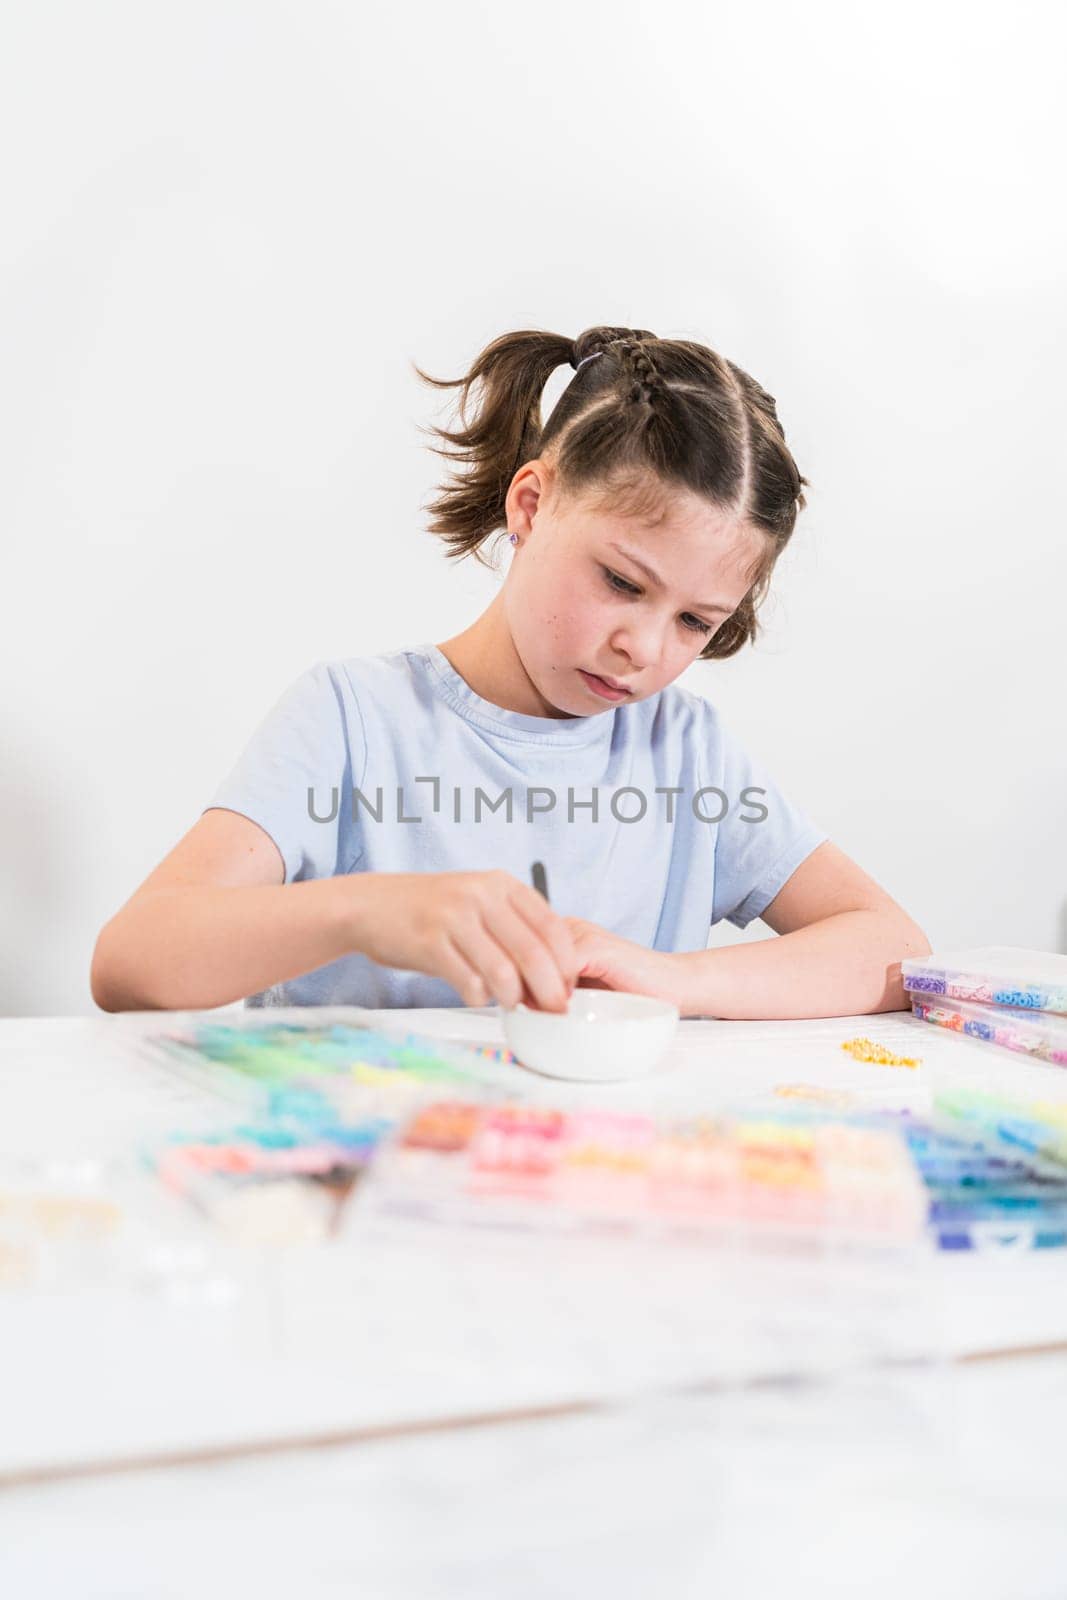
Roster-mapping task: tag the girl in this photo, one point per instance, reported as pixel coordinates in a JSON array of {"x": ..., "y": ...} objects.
[{"x": 372, "y": 846}]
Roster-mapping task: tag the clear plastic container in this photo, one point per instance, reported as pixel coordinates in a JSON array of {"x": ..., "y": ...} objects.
[
  {"x": 796, "y": 1177},
  {"x": 1035, "y": 1033},
  {"x": 998, "y": 975}
]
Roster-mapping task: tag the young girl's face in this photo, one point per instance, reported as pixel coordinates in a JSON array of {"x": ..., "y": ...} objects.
[{"x": 581, "y": 606}]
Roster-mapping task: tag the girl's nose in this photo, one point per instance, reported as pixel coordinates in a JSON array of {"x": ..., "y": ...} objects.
[{"x": 641, "y": 643}]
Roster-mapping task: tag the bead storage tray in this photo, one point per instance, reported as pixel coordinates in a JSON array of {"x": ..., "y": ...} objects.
[
  {"x": 1035, "y": 1033},
  {"x": 998, "y": 975}
]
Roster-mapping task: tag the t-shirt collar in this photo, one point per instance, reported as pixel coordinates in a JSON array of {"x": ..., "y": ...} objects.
[{"x": 558, "y": 732}]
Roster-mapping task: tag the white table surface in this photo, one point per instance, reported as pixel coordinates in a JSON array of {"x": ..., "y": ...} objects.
[{"x": 941, "y": 1478}]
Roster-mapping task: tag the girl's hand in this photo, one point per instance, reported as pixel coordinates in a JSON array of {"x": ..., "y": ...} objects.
[
  {"x": 606, "y": 961},
  {"x": 489, "y": 935}
]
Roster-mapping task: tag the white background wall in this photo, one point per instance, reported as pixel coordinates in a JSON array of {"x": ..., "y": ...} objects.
[{"x": 226, "y": 231}]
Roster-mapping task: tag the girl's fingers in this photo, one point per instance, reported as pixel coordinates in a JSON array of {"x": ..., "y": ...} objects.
[
  {"x": 534, "y": 957},
  {"x": 552, "y": 929},
  {"x": 491, "y": 961},
  {"x": 464, "y": 978},
  {"x": 508, "y": 944}
]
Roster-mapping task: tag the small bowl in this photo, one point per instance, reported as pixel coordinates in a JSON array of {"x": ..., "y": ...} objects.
[{"x": 604, "y": 1036}]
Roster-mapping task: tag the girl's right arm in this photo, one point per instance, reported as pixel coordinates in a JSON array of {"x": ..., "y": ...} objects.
[{"x": 216, "y": 922}]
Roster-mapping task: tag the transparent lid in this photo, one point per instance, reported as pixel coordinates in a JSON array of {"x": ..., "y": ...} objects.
[{"x": 999, "y": 975}]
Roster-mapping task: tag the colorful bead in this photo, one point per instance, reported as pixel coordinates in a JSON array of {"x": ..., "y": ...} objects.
[{"x": 866, "y": 1050}]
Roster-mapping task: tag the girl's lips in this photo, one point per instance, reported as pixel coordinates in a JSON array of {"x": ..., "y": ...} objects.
[{"x": 604, "y": 690}]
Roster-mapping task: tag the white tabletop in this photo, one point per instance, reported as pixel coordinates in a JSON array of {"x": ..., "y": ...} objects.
[{"x": 494, "y": 1421}]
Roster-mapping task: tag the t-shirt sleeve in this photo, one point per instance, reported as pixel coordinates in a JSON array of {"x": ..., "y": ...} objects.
[
  {"x": 762, "y": 838},
  {"x": 294, "y": 776}
]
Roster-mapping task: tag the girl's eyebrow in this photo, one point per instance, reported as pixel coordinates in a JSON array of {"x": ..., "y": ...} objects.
[{"x": 654, "y": 579}]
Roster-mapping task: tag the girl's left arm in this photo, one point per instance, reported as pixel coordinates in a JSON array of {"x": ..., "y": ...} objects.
[{"x": 840, "y": 945}]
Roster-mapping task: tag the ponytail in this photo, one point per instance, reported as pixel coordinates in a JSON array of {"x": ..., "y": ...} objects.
[{"x": 649, "y": 416}]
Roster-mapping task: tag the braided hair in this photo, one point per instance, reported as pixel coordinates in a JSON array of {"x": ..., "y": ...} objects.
[{"x": 646, "y": 417}]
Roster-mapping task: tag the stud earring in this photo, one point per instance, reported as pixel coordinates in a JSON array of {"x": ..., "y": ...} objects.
[{"x": 513, "y": 537}]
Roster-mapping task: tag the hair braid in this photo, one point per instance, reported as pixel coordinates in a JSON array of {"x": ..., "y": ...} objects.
[{"x": 654, "y": 416}]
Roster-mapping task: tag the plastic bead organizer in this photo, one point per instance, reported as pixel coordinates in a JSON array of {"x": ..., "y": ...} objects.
[
  {"x": 1035, "y": 1033},
  {"x": 998, "y": 975}
]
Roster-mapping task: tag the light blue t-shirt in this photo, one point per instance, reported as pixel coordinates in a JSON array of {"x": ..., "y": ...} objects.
[{"x": 650, "y": 819}]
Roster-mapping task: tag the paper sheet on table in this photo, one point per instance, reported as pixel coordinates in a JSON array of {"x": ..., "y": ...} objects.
[{"x": 395, "y": 1329}]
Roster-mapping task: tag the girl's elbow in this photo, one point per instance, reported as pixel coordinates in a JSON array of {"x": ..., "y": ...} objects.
[
  {"x": 914, "y": 942},
  {"x": 908, "y": 942},
  {"x": 900, "y": 934},
  {"x": 105, "y": 977},
  {"x": 100, "y": 984}
]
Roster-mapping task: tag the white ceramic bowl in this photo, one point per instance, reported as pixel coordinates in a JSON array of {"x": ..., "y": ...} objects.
[{"x": 604, "y": 1036}]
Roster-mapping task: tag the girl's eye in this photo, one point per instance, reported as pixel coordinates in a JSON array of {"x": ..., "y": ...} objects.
[
  {"x": 618, "y": 583},
  {"x": 620, "y": 586}
]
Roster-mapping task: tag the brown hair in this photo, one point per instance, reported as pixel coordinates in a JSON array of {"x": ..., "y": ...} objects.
[{"x": 648, "y": 415}]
